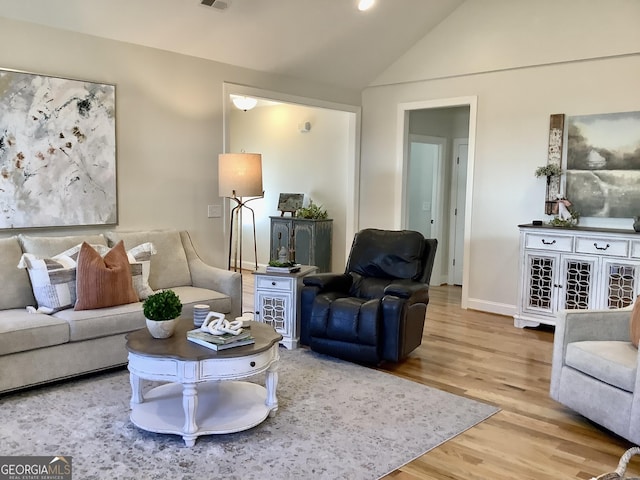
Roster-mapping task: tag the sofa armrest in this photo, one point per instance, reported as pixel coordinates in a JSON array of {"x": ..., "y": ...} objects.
[
  {"x": 213, "y": 278},
  {"x": 583, "y": 325}
]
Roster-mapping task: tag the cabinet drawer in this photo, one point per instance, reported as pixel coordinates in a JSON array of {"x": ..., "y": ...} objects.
[
  {"x": 600, "y": 246},
  {"x": 552, "y": 242},
  {"x": 635, "y": 249},
  {"x": 274, "y": 283}
]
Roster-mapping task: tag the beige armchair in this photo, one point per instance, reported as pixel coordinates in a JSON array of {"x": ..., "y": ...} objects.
[{"x": 595, "y": 369}]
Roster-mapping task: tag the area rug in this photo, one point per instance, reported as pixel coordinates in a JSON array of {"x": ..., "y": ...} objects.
[{"x": 336, "y": 420}]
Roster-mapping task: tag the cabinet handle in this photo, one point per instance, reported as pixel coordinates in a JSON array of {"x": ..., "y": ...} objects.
[
  {"x": 253, "y": 364},
  {"x": 601, "y": 248},
  {"x": 273, "y": 284},
  {"x": 548, "y": 243}
]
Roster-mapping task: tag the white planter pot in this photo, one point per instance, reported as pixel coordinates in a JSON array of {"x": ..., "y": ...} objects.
[{"x": 161, "y": 329}]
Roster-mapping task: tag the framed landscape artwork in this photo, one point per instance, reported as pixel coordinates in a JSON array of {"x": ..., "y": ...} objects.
[
  {"x": 603, "y": 164},
  {"x": 57, "y": 152}
]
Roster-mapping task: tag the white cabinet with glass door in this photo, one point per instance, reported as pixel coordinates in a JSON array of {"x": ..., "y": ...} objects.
[{"x": 574, "y": 269}]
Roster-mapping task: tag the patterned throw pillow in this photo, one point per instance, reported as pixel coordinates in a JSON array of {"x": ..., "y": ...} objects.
[
  {"x": 53, "y": 280},
  {"x": 140, "y": 260},
  {"x": 103, "y": 280}
]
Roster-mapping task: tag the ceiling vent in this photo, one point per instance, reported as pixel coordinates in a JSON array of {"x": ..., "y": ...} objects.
[{"x": 217, "y": 4}]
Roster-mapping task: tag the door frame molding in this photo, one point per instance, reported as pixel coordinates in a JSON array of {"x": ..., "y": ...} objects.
[{"x": 402, "y": 139}]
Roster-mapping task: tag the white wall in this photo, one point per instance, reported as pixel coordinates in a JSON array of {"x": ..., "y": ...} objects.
[
  {"x": 513, "y": 111},
  {"x": 313, "y": 163},
  {"x": 169, "y": 122}
]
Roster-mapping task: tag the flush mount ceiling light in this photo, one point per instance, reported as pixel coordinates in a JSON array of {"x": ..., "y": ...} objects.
[
  {"x": 365, "y": 5},
  {"x": 244, "y": 103}
]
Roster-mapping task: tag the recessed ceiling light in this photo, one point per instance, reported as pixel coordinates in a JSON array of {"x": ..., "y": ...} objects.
[{"x": 365, "y": 4}]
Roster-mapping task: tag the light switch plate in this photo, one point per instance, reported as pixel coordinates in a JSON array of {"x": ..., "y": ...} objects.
[{"x": 214, "y": 211}]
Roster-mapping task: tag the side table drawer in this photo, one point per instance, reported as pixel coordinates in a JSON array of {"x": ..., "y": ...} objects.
[
  {"x": 602, "y": 246},
  {"x": 274, "y": 283},
  {"x": 635, "y": 249},
  {"x": 552, "y": 242}
]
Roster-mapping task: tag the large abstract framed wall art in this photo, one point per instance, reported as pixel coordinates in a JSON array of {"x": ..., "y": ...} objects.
[
  {"x": 603, "y": 164},
  {"x": 57, "y": 152}
]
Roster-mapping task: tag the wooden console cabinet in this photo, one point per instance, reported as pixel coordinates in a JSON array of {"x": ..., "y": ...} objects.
[
  {"x": 575, "y": 268},
  {"x": 310, "y": 240}
]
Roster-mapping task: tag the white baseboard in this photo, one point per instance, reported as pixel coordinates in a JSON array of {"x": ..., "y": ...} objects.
[{"x": 492, "y": 307}]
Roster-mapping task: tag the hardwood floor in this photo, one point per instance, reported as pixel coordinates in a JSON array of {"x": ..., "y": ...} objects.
[{"x": 484, "y": 357}]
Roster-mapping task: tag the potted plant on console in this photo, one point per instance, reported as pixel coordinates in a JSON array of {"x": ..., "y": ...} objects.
[{"x": 161, "y": 311}]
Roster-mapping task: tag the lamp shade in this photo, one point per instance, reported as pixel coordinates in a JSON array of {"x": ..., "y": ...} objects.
[{"x": 240, "y": 175}]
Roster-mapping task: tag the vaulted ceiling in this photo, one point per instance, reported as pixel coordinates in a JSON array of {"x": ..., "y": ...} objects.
[{"x": 328, "y": 41}]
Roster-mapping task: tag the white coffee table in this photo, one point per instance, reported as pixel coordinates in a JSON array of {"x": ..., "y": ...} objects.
[{"x": 204, "y": 396}]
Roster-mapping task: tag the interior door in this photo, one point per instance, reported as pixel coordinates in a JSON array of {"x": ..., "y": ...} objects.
[
  {"x": 423, "y": 190},
  {"x": 458, "y": 199}
]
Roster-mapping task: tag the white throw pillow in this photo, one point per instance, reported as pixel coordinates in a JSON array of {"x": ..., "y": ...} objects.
[
  {"x": 140, "y": 260},
  {"x": 53, "y": 280}
]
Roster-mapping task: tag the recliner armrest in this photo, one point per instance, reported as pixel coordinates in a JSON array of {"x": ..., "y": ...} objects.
[
  {"x": 420, "y": 291},
  {"x": 329, "y": 282}
]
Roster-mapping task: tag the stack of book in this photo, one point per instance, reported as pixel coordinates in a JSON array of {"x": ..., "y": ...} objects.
[
  {"x": 220, "y": 342},
  {"x": 283, "y": 269}
]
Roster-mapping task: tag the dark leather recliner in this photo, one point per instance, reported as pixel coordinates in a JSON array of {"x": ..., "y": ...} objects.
[{"x": 375, "y": 311}]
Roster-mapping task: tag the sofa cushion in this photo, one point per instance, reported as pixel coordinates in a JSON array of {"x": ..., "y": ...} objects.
[
  {"x": 16, "y": 289},
  {"x": 169, "y": 267},
  {"x": 190, "y": 296},
  {"x": 103, "y": 281},
  {"x": 612, "y": 362},
  {"x": 21, "y": 331},
  {"x": 102, "y": 322},
  {"x": 44, "y": 246}
]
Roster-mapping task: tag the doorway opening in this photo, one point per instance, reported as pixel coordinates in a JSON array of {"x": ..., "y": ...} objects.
[
  {"x": 275, "y": 129},
  {"x": 436, "y": 143}
]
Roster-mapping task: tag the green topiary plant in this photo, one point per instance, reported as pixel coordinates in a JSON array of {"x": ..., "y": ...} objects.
[
  {"x": 313, "y": 211},
  {"x": 164, "y": 305}
]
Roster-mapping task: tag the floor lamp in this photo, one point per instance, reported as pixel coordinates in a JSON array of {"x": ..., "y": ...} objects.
[{"x": 240, "y": 175}]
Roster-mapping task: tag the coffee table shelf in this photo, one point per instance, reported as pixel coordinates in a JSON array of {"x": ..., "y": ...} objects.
[{"x": 223, "y": 407}]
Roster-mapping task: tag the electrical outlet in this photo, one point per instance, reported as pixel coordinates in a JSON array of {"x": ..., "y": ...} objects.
[{"x": 214, "y": 211}]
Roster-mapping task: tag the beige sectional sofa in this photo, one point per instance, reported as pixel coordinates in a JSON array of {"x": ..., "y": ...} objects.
[{"x": 36, "y": 348}]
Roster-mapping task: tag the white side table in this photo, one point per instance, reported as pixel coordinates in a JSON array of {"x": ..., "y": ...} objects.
[{"x": 277, "y": 301}]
